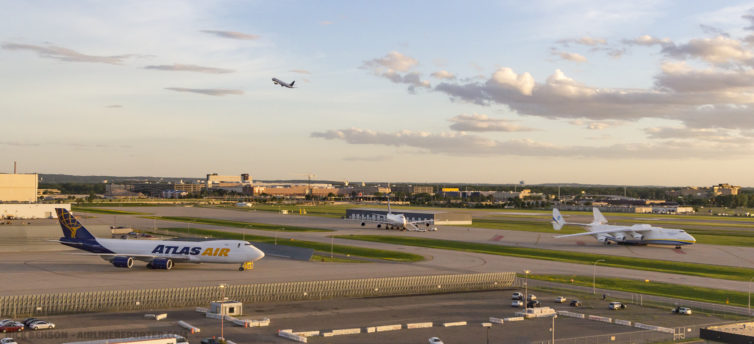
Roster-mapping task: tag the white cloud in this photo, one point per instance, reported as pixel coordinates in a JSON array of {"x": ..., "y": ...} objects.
[
  {"x": 680, "y": 77},
  {"x": 190, "y": 68},
  {"x": 232, "y": 34},
  {"x": 300, "y": 71},
  {"x": 719, "y": 50},
  {"x": 206, "y": 91},
  {"x": 508, "y": 79},
  {"x": 647, "y": 40},
  {"x": 65, "y": 54},
  {"x": 481, "y": 122},
  {"x": 462, "y": 144},
  {"x": 704, "y": 134},
  {"x": 393, "y": 60},
  {"x": 443, "y": 74},
  {"x": 586, "y": 40},
  {"x": 574, "y": 57}
]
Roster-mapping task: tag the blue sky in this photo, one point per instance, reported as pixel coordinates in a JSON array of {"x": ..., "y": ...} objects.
[{"x": 640, "y": 92}]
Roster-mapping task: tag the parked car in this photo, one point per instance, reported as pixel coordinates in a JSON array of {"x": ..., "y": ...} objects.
[
  {"x": 435, "y": 340},
  {"x": 28, "y": 321},
  {"x": 533, "y": 304},
  {"x": 517, "y": 303},
  {"x": 682, "y": 310},
  {"x": 213, "y": 341},
  {"x": 41, "y": 325},
  {"x": 531, "y": 297},
  {"x": 560, "y": 299},
  {"x": 11, "y": 327},
  {"x": 7, "y": 341},
  {"x": 517, "y": 296},
  {"x": 615, "y": 305},
  {"x": 575, "y": 303}
]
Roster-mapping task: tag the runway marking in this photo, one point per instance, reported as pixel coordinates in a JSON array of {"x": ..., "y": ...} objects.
[{"x": 496, "y": 238}]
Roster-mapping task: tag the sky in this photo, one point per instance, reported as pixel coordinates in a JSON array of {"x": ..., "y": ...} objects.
[{"x": 563, "y": 91}]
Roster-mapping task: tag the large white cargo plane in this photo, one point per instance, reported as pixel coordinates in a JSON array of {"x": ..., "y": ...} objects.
[
  {"x": 159, "y": 254},
  {"x": 639, "y": 234},
  {"x": 398, "y": 221}
]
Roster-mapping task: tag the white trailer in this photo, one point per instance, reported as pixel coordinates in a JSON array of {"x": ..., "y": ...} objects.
[{"x": 158, "y": 339}]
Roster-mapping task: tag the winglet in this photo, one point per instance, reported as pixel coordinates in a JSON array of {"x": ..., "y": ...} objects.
[
  {"x": 557, "y": 220},
  {"x": 293, "y": 82},
  {"x": 599, "y": 219}
]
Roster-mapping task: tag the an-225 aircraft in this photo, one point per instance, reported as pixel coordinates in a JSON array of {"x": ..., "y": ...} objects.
[
  {"x": 399, "y": 221},
  {"x": 277, "y": 81},
  {"x": 639, "y": 234},
  {"x": 159, "y": 254}
]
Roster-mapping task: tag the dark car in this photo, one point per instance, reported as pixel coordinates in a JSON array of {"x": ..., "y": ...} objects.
[
  {"x": 575, "y": 303},
  {"x": 28, "y": 321},
  {"x": 533, "y": 304},
  {"x": 213, "y": 341}
]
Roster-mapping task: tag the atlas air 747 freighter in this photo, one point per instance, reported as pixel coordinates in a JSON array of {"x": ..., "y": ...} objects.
[{"x": 159, "y": 254}]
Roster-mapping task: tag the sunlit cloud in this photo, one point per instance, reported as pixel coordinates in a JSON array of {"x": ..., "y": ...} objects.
[
  {"x": 65, "y": 54},
  {"x": 190, "y": 68},
  {"x": 206, "y": 91},
  {"x": 232, "y": 34}
]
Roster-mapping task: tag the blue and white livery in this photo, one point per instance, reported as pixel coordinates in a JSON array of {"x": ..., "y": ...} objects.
[
  {"x": 639, "y": 234},
  {"x": 158, "y": 254}
]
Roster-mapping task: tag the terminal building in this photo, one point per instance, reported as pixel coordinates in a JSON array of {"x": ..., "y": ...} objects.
[
  {"x": 434, "y": 217},
  {"x": 18, "y": 198}
]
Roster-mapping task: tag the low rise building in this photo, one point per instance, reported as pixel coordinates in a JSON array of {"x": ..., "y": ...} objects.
[{"x": 18, "y": 187}]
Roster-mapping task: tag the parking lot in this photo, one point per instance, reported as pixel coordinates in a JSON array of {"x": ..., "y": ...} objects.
[{"x": 326, "y": 315}]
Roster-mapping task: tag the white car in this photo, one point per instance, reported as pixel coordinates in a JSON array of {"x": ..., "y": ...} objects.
[
  {"x": 517, "y": 296},
  {"x": 435, "y": 340},
  {"x": 41, "y": 325},
  {"x": 682, "y": 310},
  {"x": 560, "y": 299},
  {"x": 7, "y": 341},
  {"x": 615, "y": 305},
  {"x": 517, "y": 303}
]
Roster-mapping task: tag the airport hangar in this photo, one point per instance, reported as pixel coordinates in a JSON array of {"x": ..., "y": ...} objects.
[{"x": 433, "y": 217}]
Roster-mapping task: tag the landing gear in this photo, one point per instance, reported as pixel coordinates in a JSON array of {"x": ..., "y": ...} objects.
[
  {"x": 678, "y": 247},
  {"x": 241, "y": 268},
  {"x": 246, "y": 266}
]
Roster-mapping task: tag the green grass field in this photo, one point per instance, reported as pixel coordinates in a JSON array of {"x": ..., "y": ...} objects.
[
  {"x": 238, "y": 224},
  {"x": 342, "y": 250},
  {"x": 654, "y": 288},
  {"x": 693, "y": 269},
  {"x": 105, "y": 211}
]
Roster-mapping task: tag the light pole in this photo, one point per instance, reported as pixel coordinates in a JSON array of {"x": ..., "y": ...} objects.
[
  {"x": 526, "y": 289},
  {"x": 222, "y": 312},
  {"x": 750, "y": 295},
  {"x": 594, "y": 276},
  {"x": 553, "y": 327}
]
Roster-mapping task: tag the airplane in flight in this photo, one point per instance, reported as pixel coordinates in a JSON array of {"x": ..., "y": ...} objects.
[
  {"x": 638, "y": 234},
  {"x": 399, "y": 221},
  {"x": 277, "y": 81},
  {"x": 159, "y": 254}
]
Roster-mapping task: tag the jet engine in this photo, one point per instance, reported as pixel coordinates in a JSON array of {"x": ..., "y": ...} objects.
[
  {"x": 123, "y": 262},
  {"x": 620, "y": 237},
  {"x": 637, "y": 236},
  {"x": 363, "y": 224},
  {"x": 604, "y": 238},
  {"x": 161, "y": 263}
]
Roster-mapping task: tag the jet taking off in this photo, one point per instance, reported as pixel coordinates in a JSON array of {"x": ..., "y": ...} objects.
[
  {"x": 277, "y": 81},
  {"x": 399, "y": 221},
  {"x": 159, "y": 254},
  {"x": 639, "y": 234}
]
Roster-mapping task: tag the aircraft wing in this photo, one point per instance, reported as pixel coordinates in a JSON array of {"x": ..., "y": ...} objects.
[
  {"x": 606, "y": 231},
  {"x": 141, "y": 257}
]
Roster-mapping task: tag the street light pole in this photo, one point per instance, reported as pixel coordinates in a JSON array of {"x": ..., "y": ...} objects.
[
  {"x": 594, "y": 276},
  {"x": 526, "y": 289},
  {"x": 553, "y": 327},
  {"x": 222, "y": 312},
  {"x": 750, "y": 295}
]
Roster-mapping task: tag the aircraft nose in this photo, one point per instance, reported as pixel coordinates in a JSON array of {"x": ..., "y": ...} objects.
[
  {"x": 691, "y": 238},
  {"x": 259, "y": 254}
]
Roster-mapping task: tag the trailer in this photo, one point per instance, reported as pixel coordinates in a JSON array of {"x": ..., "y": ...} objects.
[{"x": 158, "y": 339}]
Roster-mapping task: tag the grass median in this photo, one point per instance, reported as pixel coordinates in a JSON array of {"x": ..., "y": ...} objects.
[
  {"x": 105, "y": 211},
  {"x": 317, "y": 246},
  {"x": 720, "y": 296},
  {"x": 238, "y": 224},
  {"x": 693, "y": 269}
]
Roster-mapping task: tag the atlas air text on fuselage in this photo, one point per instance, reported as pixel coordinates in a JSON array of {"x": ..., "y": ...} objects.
[{"x": 188, "y": 250}]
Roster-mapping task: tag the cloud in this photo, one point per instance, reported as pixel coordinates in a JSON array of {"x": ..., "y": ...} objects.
[
  {"x": 368, "y": 158},
  {"x": 680, "y": 77},
  {"x": 65, "y": 54},
  {"x": 713, "y": 30},
  {"x": 481, "y": 122},
  {"x": 207, "y": 91},
  {"x": 443, "y": 74},
  {"x": 647, "y": 40},
  {"x": 391, "y": 64},
  {"x": 719, "y": 50},
  {"x": 574, "y": 57},
  {"x": 325, "y": 22},
  {"x": 750, "y": 18},
  {"x": 300, "y": 71},
  {"x": 393, "y": 60},
  {"x": 232, "y": 34},
  {"x": 586, "y": 40},
  {"x": 114, "y": 106},
  {"x": 461, "y": 144},
  {"x": 704, "y": 134},
  {"x": 190, "y": 68}
]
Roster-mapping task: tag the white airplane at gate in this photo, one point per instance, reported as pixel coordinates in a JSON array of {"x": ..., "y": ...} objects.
[
  {"x": 159, "y": 254},
  {"x": 639, "y": 234}
]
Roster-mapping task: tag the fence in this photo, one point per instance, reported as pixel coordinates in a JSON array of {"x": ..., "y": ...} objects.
[{"x": 147, "y": 299}]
